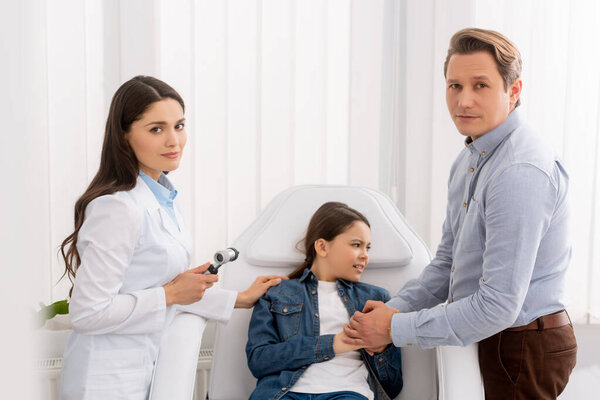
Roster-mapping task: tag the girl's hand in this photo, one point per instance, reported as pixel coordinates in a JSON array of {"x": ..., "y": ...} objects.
[
  {"x": 250, "y": 296},
  {"x": 189, "y": 287},
  {"x": 339, "y": 346}
]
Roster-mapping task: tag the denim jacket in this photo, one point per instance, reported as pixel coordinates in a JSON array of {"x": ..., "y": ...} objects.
[{"x": 284, "y": 339}]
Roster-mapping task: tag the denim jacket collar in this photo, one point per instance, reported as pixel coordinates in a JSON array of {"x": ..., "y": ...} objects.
[{"x": 308, "y": 273}]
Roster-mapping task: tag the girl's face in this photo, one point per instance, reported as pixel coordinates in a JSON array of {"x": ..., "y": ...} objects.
[
  {"x": 158, "y": 137},
  {"x": 344, "y": 257}
]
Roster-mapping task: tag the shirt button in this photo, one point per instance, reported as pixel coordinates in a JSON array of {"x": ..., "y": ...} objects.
[
  {"x": 326, "y": 358},
  {"x": 483, "y": 153},
  {"x": 313, "y": 292},
  {"x": 380, "y": 358},
  {"x": 303, "y": 367},
  {"x": 316, "y": 315},
  {"x": 449, "y": 301},
  {"x": 346, "y": 298},
  {"x": 471, "y": 169},
  {"x": 284, "y": 389},
  {"x": 409, "y": 344},
  {"x": 451, "y": 271},
  {"x": 464, "y": 204},
  {"x": 285, "y": 310}
]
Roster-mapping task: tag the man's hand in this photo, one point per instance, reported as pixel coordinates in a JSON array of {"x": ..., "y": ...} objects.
[{"x": 370, "y": 328}]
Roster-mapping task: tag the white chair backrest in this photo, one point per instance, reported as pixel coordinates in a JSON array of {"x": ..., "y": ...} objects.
[{"x": 268, "y": 246}]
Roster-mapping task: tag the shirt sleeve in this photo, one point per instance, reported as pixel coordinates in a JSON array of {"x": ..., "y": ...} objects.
[
  {"x": 431, "y": 287},
  {"x": 217, "y": 304},
  {"x": 106, "y": 245},
  {"x": 518, "y": 210}
]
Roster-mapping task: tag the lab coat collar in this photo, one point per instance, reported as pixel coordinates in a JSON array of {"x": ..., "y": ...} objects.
[{"x": 148, "y": 200}]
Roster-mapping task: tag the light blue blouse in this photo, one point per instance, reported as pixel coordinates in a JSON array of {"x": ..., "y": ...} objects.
[{"x": 165, "y": 193}]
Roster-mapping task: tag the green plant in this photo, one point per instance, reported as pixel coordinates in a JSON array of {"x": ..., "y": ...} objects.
[{"x": 50, "y": 311}]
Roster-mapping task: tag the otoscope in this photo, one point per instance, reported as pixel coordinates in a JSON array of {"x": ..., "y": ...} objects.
[{"x": 223, "y": 257}]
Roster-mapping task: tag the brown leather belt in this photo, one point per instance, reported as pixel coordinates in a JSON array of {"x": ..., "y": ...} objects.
[{"x": 556, "y": 320}]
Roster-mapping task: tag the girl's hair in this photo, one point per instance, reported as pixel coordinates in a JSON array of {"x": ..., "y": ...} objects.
[
  {"x": 327, "y": 222},
  {"x": 118, "y": 164}
]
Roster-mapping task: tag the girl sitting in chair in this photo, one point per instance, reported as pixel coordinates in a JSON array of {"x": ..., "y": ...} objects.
[{"x": 295, "y": 347}]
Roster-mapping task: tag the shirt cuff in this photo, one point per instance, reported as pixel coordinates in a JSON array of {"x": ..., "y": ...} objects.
[
  {"x": 404, "y": 333},
  {"x": 324, "y": 350}
]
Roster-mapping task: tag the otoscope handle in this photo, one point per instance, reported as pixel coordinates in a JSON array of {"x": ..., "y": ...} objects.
[{"x": 212, "y": 269}]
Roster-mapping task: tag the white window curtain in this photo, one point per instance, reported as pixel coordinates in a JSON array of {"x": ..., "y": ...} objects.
[{"x": 284, "y": 92}]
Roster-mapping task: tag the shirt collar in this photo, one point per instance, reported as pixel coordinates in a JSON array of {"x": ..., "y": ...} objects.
[
  {"x": 307, "y": 273},
  {"x": 163, "y": 190},
  {"x": 489, "y": 141}
]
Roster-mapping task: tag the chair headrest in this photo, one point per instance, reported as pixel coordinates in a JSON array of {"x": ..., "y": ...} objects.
[{"x": 272, "y": 241}]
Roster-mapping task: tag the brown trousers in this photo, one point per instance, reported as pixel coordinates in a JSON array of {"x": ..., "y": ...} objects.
[{"x": 529, "y": 364}]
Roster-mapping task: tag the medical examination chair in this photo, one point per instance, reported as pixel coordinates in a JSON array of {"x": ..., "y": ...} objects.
[{"x": 268, "y": 246}]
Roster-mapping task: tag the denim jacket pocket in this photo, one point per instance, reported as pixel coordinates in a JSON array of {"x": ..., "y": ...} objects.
[{"x": 287, "y": 317}]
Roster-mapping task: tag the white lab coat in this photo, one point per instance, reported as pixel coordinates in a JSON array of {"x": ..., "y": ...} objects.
[{"x": 129, "y": 247}]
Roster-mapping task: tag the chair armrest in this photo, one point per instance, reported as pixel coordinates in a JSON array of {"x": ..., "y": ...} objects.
[
  {"x": 175, "y": 369},
  {"x": 458, "y": 372}
]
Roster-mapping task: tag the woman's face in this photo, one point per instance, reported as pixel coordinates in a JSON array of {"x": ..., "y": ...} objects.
[{"x": 158, "y": 137}]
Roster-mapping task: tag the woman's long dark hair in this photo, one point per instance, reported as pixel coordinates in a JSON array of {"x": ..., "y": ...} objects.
[
  {"x": 118, "y": 164},
  {"x": 327, "y": 222}
]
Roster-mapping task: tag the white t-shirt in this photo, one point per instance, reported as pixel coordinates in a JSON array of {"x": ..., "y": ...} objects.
[{"x": 344, "y": 371}]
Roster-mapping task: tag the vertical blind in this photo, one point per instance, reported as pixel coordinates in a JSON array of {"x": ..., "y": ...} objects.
[{"x": 286, "y": 92}]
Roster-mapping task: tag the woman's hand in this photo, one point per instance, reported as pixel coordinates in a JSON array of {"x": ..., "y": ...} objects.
[
  {"x": 250, "y": 296},
  {"x": 339, "y": 346},
  {"x": 189, "y": 287}
]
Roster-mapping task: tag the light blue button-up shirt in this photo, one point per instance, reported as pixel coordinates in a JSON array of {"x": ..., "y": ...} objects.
[
  {"x": 505, "y": 245},
  {"x": 165, "y": 193}
]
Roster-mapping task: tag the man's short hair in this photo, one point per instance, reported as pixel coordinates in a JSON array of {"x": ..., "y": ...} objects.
[{"x": 506, "y": 54}]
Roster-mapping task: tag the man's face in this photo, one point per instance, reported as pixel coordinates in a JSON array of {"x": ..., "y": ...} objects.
[{"x": 475, "y": 93}]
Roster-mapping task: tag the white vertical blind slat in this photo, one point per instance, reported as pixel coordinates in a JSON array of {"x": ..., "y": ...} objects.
[
  {"x": 337, "y": 92},
  {"x": 94, "y": 84},
  {"x": 365, "y": 92},
  {"x": 277, "y": 91},
  {"x": 242, "y": 114},
  {"x": 210, "y": 114},
  {"x": 67, "y": 122},
  {"x": 309, "y": 102},
  {"x": 418, "y": 85}
]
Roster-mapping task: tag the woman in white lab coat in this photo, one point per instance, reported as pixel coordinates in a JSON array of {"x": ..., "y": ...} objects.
[{"x": 130, "y": 252}]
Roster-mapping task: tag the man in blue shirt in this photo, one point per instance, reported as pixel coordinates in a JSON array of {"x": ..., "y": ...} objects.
[{"x": 498, "y": 277}]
